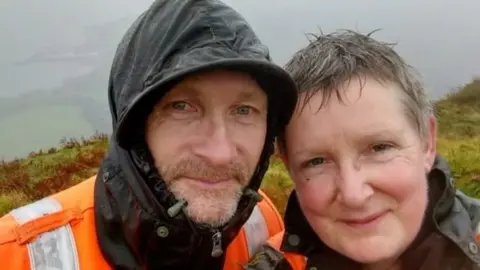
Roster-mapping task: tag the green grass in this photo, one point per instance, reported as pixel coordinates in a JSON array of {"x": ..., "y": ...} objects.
[
  {"x": 458, "y": 115},
  {"x": 48, "y": 171}
]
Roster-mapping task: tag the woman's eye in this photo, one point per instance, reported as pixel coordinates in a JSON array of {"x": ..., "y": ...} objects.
[
  {"x": 381, "y": 147},
  {"x": 315, "y": 162}
]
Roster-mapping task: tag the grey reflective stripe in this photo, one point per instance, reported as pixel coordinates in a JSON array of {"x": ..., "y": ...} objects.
[
  {"x": 52, "y": 250},
  {"x": 256, "y": 231}
]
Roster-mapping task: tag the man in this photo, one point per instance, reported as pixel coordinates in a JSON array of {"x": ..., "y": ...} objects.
[
  {"x": 196, "y": 104},
  {"x": 370, "y": 190}
]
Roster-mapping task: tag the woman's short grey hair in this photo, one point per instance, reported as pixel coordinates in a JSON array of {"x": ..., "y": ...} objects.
[{"x": 331, "y": 60}]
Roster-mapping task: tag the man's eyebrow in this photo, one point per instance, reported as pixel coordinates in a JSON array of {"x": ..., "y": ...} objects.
[
  {"x": 182, "y": 90},
  {"x": 249, "y": 94},
  {"x": 246, "y": 94},
  {"x": 190, "y": 89}
]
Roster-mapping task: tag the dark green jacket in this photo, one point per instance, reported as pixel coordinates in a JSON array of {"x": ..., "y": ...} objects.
[{"x": 445, "y": 242}]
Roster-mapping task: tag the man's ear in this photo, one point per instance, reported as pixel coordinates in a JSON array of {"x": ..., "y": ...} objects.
[{"x": 430, "y": 143}]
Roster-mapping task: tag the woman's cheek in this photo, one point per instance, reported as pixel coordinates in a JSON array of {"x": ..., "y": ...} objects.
[
  {"x": 314, "y": 195},
  {"x": 398, "y": 180}
]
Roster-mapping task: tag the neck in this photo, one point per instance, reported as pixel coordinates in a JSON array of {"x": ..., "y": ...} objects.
[{"x": 383, "y": 265}]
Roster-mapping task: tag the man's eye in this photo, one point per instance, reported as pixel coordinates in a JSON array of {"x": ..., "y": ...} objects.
[
  {"x": 244, "y": 110},
  {"x": 181, "y": 106}
]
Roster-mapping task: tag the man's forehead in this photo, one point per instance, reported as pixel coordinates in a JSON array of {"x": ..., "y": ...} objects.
[
  {"x": 235, "y": 85},
  {"x": 193, "y": 89}
]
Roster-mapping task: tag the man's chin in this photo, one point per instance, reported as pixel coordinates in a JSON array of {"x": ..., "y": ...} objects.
[
  {"x": 210, "y": 222},
  {"x": 211, "y": 214},
  {"x": 213, "y": 207}
]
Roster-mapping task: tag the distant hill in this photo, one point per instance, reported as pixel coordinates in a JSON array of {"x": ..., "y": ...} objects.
[
  {"x": 77, "y": 107},
  {"x": 459, "y": 111},
  {"x": 51, "y": 170},
  {"x": 60, "y": 52}
]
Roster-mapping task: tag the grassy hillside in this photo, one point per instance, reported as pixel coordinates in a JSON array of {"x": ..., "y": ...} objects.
[{"x": 46, "y": 172}]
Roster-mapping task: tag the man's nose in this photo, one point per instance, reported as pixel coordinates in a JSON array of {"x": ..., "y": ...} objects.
[
  {"x": 354, "y": 190},
  {"x": 216, "y": 145}
]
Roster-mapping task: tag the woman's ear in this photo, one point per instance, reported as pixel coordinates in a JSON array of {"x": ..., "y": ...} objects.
[{"x": 430, "y": 143}]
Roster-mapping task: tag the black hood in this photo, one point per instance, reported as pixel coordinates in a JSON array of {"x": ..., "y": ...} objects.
[
  {"x": 173, "y": 39},
  {"x": 137, "y": 226}
]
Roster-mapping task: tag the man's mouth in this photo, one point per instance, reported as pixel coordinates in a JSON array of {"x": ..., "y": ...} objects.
[{"x": 209, "y": 183}]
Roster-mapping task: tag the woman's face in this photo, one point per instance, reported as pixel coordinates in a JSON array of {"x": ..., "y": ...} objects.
[{"x": 359, "y": 168}]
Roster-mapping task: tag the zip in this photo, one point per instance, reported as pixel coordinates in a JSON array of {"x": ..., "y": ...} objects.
[{"x": 217, "y": 250}]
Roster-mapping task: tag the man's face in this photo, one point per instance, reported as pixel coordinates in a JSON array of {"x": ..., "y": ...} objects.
[
  {"x": 359, "y": 169},
  {"x": 206, "y": 136}
]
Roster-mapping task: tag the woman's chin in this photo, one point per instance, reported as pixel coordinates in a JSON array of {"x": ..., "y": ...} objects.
[{"x": 373, "y": 250}]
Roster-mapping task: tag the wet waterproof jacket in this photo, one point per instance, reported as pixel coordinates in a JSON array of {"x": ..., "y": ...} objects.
[
  {"x": 447, "y": 239},
  {"x": 58, "y": 232},
  {"x": 135, "y": 222}
]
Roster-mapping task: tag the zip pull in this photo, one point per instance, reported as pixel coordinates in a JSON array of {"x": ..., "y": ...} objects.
[
  {"x": 176, "y": 208},
  {"x": 217, "y": 244}
]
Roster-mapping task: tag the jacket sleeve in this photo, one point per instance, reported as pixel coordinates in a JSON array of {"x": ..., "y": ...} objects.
[{"x": 13, "y": 255}]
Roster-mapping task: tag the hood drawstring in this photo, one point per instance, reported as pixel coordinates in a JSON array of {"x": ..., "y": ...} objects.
[
  {"x": 253, "y": 194},
  {"x": 177, "y": 208}
]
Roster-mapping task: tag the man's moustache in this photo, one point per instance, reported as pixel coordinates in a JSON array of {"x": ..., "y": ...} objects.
[
  {"x": 209, "y": 175},
  {"x": 206, "y": 172}
]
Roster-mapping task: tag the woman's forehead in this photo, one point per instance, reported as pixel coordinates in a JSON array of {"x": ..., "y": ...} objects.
[{"x": 375, "y": 109}]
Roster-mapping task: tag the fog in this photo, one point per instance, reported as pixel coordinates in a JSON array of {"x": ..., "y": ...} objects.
[{"x": 60, "y": 45}]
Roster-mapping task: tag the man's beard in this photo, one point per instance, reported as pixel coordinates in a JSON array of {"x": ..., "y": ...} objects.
[{"x": 212, "y": 207}]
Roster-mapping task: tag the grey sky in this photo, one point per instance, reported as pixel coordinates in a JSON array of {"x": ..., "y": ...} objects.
[
  {"x": 440, "y": 38},
  {"x": 55, "y": 55}
]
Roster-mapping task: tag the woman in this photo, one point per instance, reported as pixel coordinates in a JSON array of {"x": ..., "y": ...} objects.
[{"x": 370, "y": 190}]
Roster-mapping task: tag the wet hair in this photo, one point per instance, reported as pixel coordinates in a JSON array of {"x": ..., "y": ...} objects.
[{"x": 331, "y": 60}]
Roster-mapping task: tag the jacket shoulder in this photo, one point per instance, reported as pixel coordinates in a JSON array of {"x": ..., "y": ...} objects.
[
  {"x": 70, "y": 202},
  {"x": 79, "y": 196},
  {"x": 263, "y": 223},
  {"x": 29, "y": 231},
  {"x": 472, "y": 207},
  {"x": 272, "y": 217}
]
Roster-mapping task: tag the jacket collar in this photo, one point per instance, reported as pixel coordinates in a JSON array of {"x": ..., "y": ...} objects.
[{"x": 134, "y": 229}]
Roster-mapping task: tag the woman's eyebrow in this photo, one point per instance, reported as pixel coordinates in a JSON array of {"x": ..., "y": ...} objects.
[{"x": 369, "y": 135}]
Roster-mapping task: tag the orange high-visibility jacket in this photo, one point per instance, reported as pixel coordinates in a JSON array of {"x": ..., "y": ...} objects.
[
  {"x": 296, "y": 261},
  {"x": 58, "y": 232}
]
